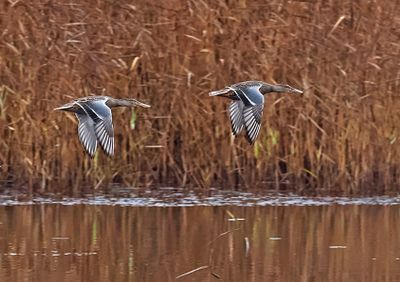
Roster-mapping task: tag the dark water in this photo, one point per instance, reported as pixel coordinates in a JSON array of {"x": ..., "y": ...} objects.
[{"x": 110, "y": 242}]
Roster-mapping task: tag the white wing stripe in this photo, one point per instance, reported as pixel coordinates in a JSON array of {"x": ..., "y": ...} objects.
[{"x": 246, "y": 97}]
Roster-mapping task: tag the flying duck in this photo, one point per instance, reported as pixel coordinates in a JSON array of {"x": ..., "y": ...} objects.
[
  {"x": 247, "y": 106},
  {"x": 95, "y": 120}
]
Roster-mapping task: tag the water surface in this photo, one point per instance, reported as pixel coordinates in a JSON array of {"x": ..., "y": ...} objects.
[{"x": 107, "y": 241}]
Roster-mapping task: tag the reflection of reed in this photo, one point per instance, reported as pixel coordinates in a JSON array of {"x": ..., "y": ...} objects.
[
  {"x": 341, "y": 134},
  {"x": 95, "y": 243}
]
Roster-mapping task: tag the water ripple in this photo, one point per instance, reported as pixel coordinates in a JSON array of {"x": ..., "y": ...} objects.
[{"x": 173, "y": 198}]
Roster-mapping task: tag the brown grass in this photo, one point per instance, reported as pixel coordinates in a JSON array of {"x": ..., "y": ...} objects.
[{"x": 340, "y": 136}]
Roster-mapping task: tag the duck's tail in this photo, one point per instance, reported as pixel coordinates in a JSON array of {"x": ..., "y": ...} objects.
[
  {"x": 67, "y": 107},
  {"x": 221, "y": 92}
]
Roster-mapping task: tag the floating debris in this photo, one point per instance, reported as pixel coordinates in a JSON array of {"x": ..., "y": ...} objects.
[
  {"x": 337, "y": 247},
  {"x": 236, "y": 219},
  {"x": 247, "y": 245},
  {"x": 53, "y": 254},
  {"x": 192, "y": 271},
  {"x": 60, "y": 238}
]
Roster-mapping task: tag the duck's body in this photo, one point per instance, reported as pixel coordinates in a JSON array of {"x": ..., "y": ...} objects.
[
  {"x": 95, "y": 120},
  {"x": 247, "y": 106}
]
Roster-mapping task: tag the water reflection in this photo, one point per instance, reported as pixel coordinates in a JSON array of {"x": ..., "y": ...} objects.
[{"x": 113, "y": 243}]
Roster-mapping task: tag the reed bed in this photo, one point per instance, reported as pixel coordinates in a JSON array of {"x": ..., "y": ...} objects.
[{"x": 341, "y": 136}]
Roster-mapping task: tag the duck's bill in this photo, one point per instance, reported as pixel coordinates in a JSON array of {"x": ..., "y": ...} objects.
[
  {"x": 297, "y": 91},
  {"x": 142, "y": 104}
]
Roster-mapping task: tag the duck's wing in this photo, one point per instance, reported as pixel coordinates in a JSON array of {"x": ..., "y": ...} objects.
[
  {"x": 86, "y": 133},
  {"x": 252, "y": 121},
  {"x": 103, "y": 127},
  {"x": 236, "y": 115}
]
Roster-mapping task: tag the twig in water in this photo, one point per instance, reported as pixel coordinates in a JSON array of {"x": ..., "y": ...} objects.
[
  {"x": 192, "y": 271},
  {"x": 222, "y": 234},
  {"x": 247, "y": 244}
]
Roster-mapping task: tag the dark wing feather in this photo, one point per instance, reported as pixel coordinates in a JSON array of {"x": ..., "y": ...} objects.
[
  {"x": 236, "y": 115},
  {"x": 105, "y": 134},
  {"x": 252, "y": 121},
  {"x": 86, "y": 133}
]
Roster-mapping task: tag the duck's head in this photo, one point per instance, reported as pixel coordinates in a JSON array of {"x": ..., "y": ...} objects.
[{"x": 126, "y": 102}]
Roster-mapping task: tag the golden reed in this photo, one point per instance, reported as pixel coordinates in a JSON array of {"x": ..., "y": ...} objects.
[{"x": 340, "y": 136}]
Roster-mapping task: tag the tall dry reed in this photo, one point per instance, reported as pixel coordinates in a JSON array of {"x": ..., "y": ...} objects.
[{"x": 340, "y": 136}]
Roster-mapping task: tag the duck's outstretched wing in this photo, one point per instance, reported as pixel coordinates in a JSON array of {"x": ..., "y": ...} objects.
[
  {"x": 102, "y": 117},
  {"x": 252, "y": 121},
  {"x": 86, "y": 133},
  {"x": 236, "y": 115}
]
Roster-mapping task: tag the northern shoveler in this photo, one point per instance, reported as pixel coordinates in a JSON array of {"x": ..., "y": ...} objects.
[
  {"x": 95, "y": 120},
  {"x": 248, "y": 103}
]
